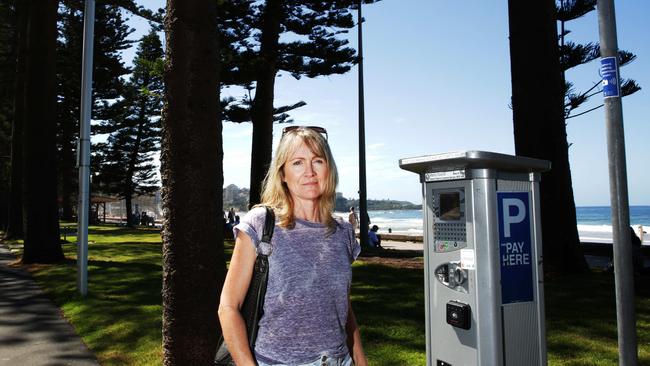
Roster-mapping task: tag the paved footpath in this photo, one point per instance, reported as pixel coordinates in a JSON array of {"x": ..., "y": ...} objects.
[{"x": 32, "y": 330}]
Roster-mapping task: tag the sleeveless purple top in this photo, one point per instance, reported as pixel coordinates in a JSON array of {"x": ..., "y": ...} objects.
[{"x": 306, "y": 303}]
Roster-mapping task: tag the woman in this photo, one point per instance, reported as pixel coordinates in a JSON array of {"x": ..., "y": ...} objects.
[{"x": 308, "y": 318}]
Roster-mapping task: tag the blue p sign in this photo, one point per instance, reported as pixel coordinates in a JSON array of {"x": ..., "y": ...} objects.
[
  {"x": 510, "y": 219},
  {"x": 515, "y": 243}
]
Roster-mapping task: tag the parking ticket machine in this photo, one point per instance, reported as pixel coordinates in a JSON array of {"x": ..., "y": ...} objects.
[{"x": 484, "y": 298}]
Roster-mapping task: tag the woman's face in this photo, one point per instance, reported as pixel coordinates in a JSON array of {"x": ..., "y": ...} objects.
[{"x": 305, "y": 174}]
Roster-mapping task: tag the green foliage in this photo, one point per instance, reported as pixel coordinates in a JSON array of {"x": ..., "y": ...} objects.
[
  {"x": 309, "y": 44},
  {"x": 125, "y": 162},
  {"x": 154, "y": 17},
  {"x": 110, "y": 40},
  {"x": 573, "y": 54}
]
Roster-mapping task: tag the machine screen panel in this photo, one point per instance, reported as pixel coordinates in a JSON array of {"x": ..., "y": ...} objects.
[
  {"x": 449, "y": 226},
  {"x": 450, "y": 206}
]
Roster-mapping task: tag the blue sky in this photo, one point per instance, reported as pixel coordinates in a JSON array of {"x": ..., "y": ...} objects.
[{"x": 437, "y": 79}]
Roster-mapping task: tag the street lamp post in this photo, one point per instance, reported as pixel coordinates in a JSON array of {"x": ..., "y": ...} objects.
[
  {"x": 622, "y": 246},
  {"x": 83, "y": 150},
  {"x": 363, "y": 204}
]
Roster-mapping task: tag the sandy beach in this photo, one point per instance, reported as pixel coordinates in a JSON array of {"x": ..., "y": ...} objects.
[{"x": 588, "y": 234}]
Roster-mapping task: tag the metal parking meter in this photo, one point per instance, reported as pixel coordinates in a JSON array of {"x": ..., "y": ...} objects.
[{"x": 484, "y": 298}]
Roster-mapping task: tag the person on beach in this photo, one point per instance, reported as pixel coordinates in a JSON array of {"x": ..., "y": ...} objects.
[
  {"x": 353, "y": 219},
  {"x": 308, "y": 318},
  {"x": 231, "y": 216},
  {"x": 374, "y": 238},
  {"x": 637, "y": 255}
]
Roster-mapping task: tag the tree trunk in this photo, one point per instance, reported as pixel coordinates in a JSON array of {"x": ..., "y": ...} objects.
[
  {"x": 15, "y": 213},
  {"x": 128, "y": 200},
  {"x": 129, "y": 185},
  {"x": 40, "y": 209},
  {"x": 69, "y": 179},
  {"x": 539, "y": 127},
  {"x": 192, "y": 180},
  {"x": 262, "y": 108}
]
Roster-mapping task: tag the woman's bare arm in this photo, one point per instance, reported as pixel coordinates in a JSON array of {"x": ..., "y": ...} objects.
[
  {"x": 354, "y": 338},
  {"x": 232, "y": 297}
]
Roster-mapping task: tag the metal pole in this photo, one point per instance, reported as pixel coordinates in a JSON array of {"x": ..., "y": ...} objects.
[
  {"x": 363, "y": 204},
  {"x": 83, "y": 152},
  {"x": 623, "y": 267}
]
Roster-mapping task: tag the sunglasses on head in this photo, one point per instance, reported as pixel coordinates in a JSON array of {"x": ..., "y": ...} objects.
[{"x": 318, "y": 129}]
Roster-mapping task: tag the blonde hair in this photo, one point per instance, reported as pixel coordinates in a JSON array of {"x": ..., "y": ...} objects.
[{"x": 275, "y": 192}]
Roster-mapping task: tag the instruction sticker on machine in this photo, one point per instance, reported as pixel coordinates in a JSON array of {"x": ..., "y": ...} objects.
[
  {"x": 467, "y": 259},
  {"x": 515, "y": 242}
]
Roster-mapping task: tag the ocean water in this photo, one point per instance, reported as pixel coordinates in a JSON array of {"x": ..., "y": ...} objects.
[
  {"x": 601, "y": 215},
  {"x": 594, "y": 222}
]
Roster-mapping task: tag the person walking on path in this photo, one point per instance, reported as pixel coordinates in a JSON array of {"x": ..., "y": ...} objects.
[
  {"x": 353, "y": 219},
  {"x": 32, "y": 331}
]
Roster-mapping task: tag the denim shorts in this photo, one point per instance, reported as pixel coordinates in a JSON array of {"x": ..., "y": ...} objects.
[{"x": 322, "y": 361}]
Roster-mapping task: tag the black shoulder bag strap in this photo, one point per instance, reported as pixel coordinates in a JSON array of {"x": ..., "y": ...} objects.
[
  {"x": 254, "y": 301},
  {"x": 253, "y": 305}
]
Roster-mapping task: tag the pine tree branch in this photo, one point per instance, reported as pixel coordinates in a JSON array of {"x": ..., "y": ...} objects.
[{"x": 587, "y": 111}]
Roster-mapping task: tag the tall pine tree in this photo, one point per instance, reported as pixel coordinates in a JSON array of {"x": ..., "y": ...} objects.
[
  {"x": 8, "y": 56},
  {"x": 313, "y": 49},
  {"x": 41, "y": 221},
  {"x": 539, "y": 127},
  {"x": 192, "y": 172},
  {"x": 238, "y": 55},
  {"x": 110, "y": 39},
  {"x": 127, "y": 167}
]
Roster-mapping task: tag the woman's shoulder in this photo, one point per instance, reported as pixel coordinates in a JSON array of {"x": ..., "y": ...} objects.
[
  {"x": 342, "y": 223},
  {"x": 255, "y": 217},
  {"x": 256, "y": 212}
]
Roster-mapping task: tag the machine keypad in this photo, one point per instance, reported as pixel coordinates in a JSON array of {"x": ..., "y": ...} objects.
[{"x": 449, "y": 236}]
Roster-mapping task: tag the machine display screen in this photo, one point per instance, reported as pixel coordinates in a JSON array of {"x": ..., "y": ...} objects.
[{"x": 450, "y": 206}]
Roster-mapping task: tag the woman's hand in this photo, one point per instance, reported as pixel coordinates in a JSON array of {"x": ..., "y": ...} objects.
[{"x": 232, "y": 297}]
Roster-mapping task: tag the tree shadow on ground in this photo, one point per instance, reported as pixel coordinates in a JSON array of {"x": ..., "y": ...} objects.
[
  {"x": 581, "y": 317},
  {"x": 126, "y": 291},
  {"x": 389, "y": 305}
]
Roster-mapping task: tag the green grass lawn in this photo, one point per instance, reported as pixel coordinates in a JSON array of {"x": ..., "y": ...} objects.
[{"x": 120, "y": 320}]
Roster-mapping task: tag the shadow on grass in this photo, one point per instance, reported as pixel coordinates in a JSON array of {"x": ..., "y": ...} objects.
[
  {"x": 122, "y": 312},
  {"x": 389, "y": 305},
  {"x": 389, "y": 253},
  {"x": 110, "y": 230},
  {"x": 581, "y": 320},
  {"x": 126, "y": 251}
]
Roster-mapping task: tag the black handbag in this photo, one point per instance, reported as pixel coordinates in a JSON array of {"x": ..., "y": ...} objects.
[{"x": 252, "y": 310}]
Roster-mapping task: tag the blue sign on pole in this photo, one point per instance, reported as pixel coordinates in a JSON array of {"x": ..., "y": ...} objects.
[
  {"x": 609, "y": 74},
  {"x": 515, "y": 247}
]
